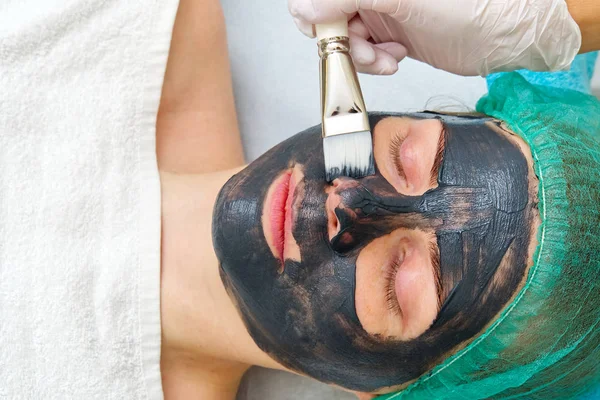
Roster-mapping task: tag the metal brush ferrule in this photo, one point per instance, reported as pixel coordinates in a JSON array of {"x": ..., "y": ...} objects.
[{"x": 342, "y": 105}]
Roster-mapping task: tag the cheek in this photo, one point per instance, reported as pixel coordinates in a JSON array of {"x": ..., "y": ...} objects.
[
  {"x": 418, "y": 153},
  {"x": 369, "y": 283}
]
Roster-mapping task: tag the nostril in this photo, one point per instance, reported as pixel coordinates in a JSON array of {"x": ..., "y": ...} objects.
[
  {"x": 333, "y": 201},
  {"x": 333, "y": 224},
  {"x": 344, "y": 183}
]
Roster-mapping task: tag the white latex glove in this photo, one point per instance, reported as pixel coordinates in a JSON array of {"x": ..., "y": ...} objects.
[{"x": 466, "y": 37}]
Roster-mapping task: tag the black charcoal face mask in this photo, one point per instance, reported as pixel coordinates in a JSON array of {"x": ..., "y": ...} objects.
[{"x": 304, "y": 316}]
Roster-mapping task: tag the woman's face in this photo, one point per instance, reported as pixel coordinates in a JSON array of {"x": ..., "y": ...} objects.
[{"x": 369, "y": 283}]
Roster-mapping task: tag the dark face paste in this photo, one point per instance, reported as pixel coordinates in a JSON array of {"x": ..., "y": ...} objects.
[{"x": 304, "y": 316}]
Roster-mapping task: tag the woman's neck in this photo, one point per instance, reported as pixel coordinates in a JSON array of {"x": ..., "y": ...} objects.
[{"x": 205, "y": 346}]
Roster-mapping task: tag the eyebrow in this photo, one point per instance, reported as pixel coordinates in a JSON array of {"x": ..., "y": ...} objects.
[
  {"x": 434, "y": 254},
  {"x": 439, "y": 155}
]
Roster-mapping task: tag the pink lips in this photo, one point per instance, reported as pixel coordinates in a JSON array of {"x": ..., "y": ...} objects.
[{"x": 281, "y": 212}]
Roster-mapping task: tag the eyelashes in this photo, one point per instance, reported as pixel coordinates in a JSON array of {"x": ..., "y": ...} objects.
[
  {"x": 395, "y": 144},
  {"x": 439, "y": 155},
  {"x": 390, "y": 296}
]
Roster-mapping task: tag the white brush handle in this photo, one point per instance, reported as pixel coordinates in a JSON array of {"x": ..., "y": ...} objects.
[{"x": 326, "y": 31}]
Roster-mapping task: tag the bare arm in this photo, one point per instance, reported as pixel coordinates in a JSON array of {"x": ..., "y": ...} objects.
[
  {"x": 197, "y": 128},
  {"x": 587, "y": 15}
]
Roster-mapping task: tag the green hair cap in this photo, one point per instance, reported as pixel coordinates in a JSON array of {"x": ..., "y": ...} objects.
[{"x": 546, "y": 343}]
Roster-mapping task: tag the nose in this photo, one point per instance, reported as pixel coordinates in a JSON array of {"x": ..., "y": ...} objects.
[{"x": 339, "y": 215}]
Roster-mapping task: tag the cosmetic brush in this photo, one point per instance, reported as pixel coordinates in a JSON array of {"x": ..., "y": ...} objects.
[{"x": 347, "y": 142}]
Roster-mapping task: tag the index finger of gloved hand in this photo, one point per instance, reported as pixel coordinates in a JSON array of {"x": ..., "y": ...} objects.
[
  {"x": 384, "y": 64},
  {"x": 362, "y": 52},
  {"x": 357, "y": 27},
  {"x": 396, "y": 50}
]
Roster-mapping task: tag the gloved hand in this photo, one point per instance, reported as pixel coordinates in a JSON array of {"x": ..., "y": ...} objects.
[{"x": 466, "y": 37}]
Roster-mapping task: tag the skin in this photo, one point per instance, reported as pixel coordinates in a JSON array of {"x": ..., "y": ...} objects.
[
  {"x": 316, "y": 313},
  {"x": 205, "y": 346},
  {"x": 196, "y": 93}
]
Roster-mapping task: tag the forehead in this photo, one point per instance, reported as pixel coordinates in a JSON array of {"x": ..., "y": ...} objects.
[{"x": 462, "y": 119}]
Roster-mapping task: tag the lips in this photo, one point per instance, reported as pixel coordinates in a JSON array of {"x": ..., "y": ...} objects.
[{"x": 278, "y": 213}]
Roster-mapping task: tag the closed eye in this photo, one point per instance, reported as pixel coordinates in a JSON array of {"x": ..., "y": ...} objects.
[
  {"x": 390, "y": 277},
  {"x": 396, "y": 144}
]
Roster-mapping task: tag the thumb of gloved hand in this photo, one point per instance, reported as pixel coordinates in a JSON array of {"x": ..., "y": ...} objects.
[{"x": 467, "y": 37}]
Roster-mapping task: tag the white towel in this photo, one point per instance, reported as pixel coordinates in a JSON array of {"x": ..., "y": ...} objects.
[{"x": 80, "y": 85}]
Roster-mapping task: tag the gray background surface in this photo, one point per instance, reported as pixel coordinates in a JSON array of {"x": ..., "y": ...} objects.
[{"x": 276, "y": 84}]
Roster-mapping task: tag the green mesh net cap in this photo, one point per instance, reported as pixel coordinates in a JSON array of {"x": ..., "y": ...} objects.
[{"x": 546, "y": 342}]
